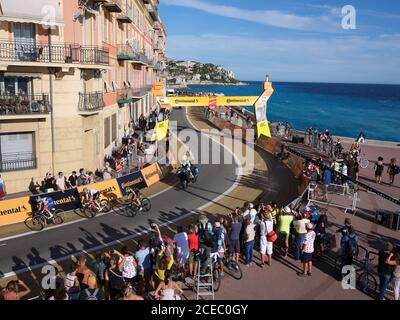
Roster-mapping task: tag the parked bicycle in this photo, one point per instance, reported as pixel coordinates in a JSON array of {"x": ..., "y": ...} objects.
[{"x": 38, "y": 220}]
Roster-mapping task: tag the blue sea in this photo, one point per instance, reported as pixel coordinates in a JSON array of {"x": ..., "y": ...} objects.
[{"x": 344, "y": 109}]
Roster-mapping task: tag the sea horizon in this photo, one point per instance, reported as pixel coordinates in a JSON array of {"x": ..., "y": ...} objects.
[{"x": 343, "y": 108}]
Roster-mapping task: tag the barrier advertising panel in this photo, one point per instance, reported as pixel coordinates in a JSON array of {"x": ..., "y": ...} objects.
[
  {"x": 14, "y": 210},
  {"x": 67, "y": 200},
  {"x": 109, "y": 189},
  {"x": 133, "y": 180},
  {"x": 151, "y": 174}
]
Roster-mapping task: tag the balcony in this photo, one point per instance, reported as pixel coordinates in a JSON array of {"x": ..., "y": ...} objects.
[
  {"x": 125, "y": 52},
  {"x": 90, "y": 103},
  {"x": 21, "y": 52},
  {"x": 127, "y": 95},
  {"x": 17, "y": 161},
  {"x": 153, "y": 11},
  {"x": 126, "y": 16},
  {"x": 13, "y": 107},
  {"x": 157, "y": 25},
  {"x": 113, "y": 5}
]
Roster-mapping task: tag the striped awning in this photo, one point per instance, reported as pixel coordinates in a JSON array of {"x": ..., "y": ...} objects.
[{"x": 44, "y": 12}]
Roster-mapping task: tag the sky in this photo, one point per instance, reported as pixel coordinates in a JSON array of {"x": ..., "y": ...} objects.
[{"x": 291, "y": 40}]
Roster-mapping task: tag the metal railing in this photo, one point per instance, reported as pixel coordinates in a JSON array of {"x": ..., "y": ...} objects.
[
  {"x": 130, "y": 93},
  {"x": 24, "y": 104},
  {"x": 38, "y": 51},
  {"x": 90, "y": 101},
  {"x": 17, "y": 161}
]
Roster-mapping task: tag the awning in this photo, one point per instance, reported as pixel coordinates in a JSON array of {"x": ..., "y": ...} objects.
[
  {"x": 23, "y": 74},
  {"x": 45, "y": 12}
]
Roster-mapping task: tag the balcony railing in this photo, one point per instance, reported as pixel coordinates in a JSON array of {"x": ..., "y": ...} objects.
[
  {"x": 35, "y": 104},
  {"x": 126, "y": 95},
  {"x": 17, "y": 161},
  {"x": 153, "y": 11},
  {"x": 113, "y": 5},
  {"x": 157, "y": 25},
  {"x": 90, "y": 102},
  {"x": 126, "y": 16},
  {"x": 125, "y": 52},
  {"x": 31, "y": 51}
]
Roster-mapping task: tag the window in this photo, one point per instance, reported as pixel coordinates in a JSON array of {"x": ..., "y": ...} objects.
[
  {"x": 107, "y": 132},
  {"x": 17, "y": 151},
  {"x": 114, "y": 127},
  {"x": 105, "y": 31}
]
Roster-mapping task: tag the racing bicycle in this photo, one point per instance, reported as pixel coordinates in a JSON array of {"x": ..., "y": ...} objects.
[
  {"x": 38, "y": 220},
  {"x": 90, "y": 207}
]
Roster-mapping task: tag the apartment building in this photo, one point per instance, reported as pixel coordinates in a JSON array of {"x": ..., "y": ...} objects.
[{"x": 74, "y": 74}]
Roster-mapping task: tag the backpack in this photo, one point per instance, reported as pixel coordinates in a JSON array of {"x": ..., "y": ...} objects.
[
  {"x": 205, "y": 236},
  {"x": 352, "y": 247},
  {"x": 396, "y": 170},
  {"x": 91, "y": 296}
]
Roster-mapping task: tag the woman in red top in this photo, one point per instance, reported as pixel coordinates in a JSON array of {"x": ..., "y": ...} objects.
[{"x": 193, "y": 240}]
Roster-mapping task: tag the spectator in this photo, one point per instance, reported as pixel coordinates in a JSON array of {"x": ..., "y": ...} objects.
[
  {"x": 91, "y": 177},
  {"x": 49, "y": 182},
  {"x": 266, "y": 246},
  {"x": 92, "y": 292},
  {"x": 193, "y": 240},
  {"x": 220, "y": 246},
  {"x": 308, "y": 250},
  {"x": 60, "y": 293},
  {"x": 250, "y": 213},
  {"x": 206, "y": 240},
  {"x": 71, "y": 283},
  {"x": 396, "y": 273},
  {"x": 83, "y": 272},
  {"x": 249, "y": 235},
  {"x": 167, "y": 288},
  {"x": 164, "y": 262},
  {"x": 301, "y": 231},
  {"x": 143, "y": 257},
  {"x": 320, "y": 231},
  {"x": 141, "y": 156},
  {"x": 326, "y": 181},
  {"x": 113, "y": 278},
  {"x": 284, "y": 221},
  {"x": 129, "y": 294},
  {"x": 83, "y": 178},
  {"x": 3, "y": 191},
  {"x": 61, "y": 182},
  {"x": 32, "y": 187},
  {"x": 182, "y": 250},
  {"x": 361, "y": 137},
  {"x": 393, "y": 170},
  {"x": 107, "y": 171},
  {"x": 13, "y": 292},
  {"x": 73, "y": 180},
  {"x": 378, "y": 170},
  {"x": 129, "y": 269},
  {"x": 234, "y": 235},
  {"x": 385, "y": 270},
  {"x": 349, "y": 245}
]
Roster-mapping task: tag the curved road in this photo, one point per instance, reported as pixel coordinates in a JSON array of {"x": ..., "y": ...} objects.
[{"x": 34, "y": 250}]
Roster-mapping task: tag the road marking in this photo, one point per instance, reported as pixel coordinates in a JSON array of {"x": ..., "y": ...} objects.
[
  {"x": 2, "y": 244},
  {"x": 131, "y": 236}
]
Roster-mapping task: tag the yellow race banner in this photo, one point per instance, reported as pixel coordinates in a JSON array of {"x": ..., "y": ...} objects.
[
  {"x": 207, "y": 101},
  {"x": 14, "y": 210},
  {"x": 108, "y": 189},
  {"x": 160, "y": 131},
  {"x": 263, "y": 129}
]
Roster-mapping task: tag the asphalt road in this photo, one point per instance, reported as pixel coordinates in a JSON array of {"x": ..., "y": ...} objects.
[{"x": 30, "y": 251}]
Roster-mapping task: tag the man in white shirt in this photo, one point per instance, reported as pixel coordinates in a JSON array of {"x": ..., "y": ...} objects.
[
  {"x": 251, "y": 214},
  {"x": 345, "y": 183},
  {"x": 61, "y": 182}
]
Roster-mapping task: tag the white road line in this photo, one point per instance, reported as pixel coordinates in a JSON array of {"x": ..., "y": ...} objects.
[{"x": 119, "y": 241}]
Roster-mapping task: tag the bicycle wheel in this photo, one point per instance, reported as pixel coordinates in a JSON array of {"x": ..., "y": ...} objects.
[
  {"x": 367, "y": 283},
  {"x": 34, "y": 223},
  {"x": 146, "y": 204},
  {"x": 105, "y": 205},
  {"x": 364, "y": 163},
  {"x": 216, "y": 278},
  {"x": 133, "y": 208},
  {"x": 58, "y": 219},
  {"x": 234, "y": 269}
]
